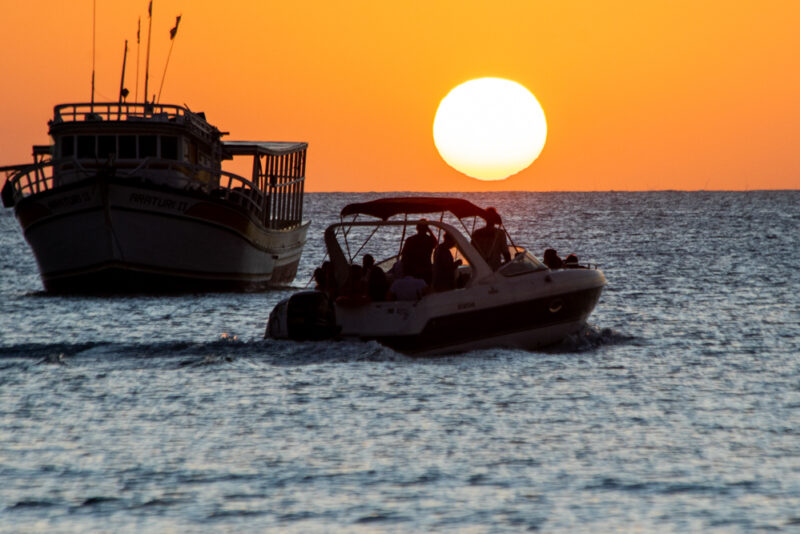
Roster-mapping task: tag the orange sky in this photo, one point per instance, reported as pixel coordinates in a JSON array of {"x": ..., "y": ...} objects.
[{"x": 638, "y": 95}]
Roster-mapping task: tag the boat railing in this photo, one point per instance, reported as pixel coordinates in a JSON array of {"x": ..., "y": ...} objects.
[
  {"x": 35, "y": 178},
  {"x": 31, "y": 179},
  {"x": 133, "y": 111},
  {"x": 216, "y": 182}
]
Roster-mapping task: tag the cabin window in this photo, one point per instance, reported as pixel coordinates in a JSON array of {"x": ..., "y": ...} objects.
[
  {"x": 67, "y": 146},
  {"x": 127, "y": 147},
  {"x": 169, "y": 147},
  {"x": 86, "y": 148},
  {"x": 106, "y": 146},
  {"x": 147, "y": 146}
]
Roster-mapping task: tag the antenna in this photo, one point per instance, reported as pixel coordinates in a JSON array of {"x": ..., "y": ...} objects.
[
  {"x": 94, "y": 39},
  {"x": 147, "y": 61},
  {"x": 172, "y": 33},
  {"x": 123, "y": 93},
  {"x": 138, "y": 31}
]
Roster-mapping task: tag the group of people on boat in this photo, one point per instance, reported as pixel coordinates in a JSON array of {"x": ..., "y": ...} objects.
[
  {"x": 425, "y": 266},
  {"x": 553, "y": 261}
]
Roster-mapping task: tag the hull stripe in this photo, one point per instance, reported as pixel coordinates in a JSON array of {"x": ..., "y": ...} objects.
[{"x": 459, "y": 328}]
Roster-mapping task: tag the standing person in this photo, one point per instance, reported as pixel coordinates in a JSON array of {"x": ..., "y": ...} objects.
[
  {"x": 444, "y": 268},
  {"x": 416, "y": 255},
  {"x": 490, "y": 241}
]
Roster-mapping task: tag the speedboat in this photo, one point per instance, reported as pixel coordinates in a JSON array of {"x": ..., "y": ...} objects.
[
  {"x": 131, "y": 197},
  {"x": 521, "y": 304}
]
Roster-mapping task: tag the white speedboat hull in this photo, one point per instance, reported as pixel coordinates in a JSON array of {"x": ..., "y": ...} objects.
[{"x": 528, "y": 313}]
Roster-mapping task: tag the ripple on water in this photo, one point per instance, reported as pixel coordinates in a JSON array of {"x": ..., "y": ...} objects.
[{"x": 674, "y": 410}]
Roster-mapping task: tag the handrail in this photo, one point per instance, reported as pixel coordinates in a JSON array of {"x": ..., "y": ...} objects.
[
  {"x": 87, "y": 111},
  {"x": 27, "y": 180},
  {"x": 125, "y": 111}
]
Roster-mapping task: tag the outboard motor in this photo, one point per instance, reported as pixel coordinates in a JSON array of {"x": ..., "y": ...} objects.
[{"x": 304, "y": 316}]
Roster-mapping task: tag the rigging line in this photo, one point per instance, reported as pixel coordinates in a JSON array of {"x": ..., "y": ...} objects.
[
  {"x": 439, "y": 229},
  {"x": 172, "y": 35},
  {"x": 344, "y": 235},
  {"x": 164, "y": 76},
  {"x": 509, "y": 237},
  {"x": 403, "y": 236},
  {"x": 364, "y": 244},
  {"x": 325, "y": 257}
]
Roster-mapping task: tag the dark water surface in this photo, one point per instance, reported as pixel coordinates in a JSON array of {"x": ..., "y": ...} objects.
[{"x": 677, "y": 410}]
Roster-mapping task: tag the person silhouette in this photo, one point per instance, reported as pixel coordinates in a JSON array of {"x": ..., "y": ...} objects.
[
  {"x": 416, "y": 255},
  {"x": 444, "y": 267},
  {"x": 552, "y": 260},
  {"x": 377, "y": 284},
  {"x": 490, "y": 241},
  {"x": 407, "y": 288}
]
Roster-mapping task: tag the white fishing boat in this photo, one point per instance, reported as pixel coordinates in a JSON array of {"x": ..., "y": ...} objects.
[
  {"x": 131, "y": 197},
  {"x": 520, "y": 303}
]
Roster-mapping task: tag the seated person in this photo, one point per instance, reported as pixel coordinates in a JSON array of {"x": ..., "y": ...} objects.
[
  {"x": 490, "y": 241},
  {"x": 396, "y": 272},
  {"x": 319, "y": 279},
  {"x": 571, "y": 261},
  {"x": 325, "y": 279},
  {"x": 375, "y": 278},
  {"x": 416, "y": 255},
  {"x": 367, "y": 263},
  {"x": 408, "y": 288},
  {"x": 355, "y": 285},
  {"x": 444, "y": 268},
  {"x": 551, "y": 259}
]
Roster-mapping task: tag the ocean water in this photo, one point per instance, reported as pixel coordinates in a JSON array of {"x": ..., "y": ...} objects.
[{"x": 676, "y": 410}]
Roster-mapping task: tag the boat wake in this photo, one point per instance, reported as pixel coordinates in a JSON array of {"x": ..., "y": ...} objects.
[
  {"x": 226, "y": 350},
  {"x": 590, "y": 338},
  {"x": 229, "y": 349}
]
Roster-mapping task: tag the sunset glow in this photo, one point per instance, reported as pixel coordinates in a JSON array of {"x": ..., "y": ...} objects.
[
  {"x": 489, "y": 128},
  {"x": 638, "y": 96}
]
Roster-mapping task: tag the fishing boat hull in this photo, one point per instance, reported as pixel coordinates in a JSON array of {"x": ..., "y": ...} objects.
[{"x": 125, "y": 235}]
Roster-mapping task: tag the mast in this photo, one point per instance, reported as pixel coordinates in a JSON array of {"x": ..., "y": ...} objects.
[
  {"x": 147, "y": 60},
  {"x": 123, "y": 93},
  {"x": 138, "y": 46},
  {"x": 94, "y": 39}
]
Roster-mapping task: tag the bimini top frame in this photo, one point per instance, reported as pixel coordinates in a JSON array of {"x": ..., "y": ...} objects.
[{"x": 384, "y": 208}]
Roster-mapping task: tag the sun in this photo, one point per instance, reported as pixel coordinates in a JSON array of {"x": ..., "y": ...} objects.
[{"x": 489, "y": 128}]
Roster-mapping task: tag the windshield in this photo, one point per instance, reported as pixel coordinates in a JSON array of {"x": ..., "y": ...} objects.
[{"x": 523, "y": 262}]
